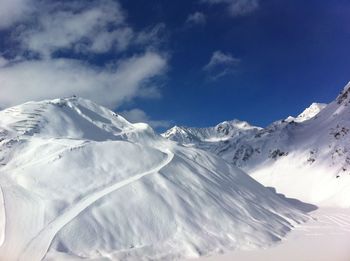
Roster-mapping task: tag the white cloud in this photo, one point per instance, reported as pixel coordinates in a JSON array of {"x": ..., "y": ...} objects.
[
  {"x": 84, "y": 28},
  {"x": 98, "y": 27},
  {"x": 40, "y": 79},
  {"x": 237, "y": 7},
  {"x": 221, "y": 64},
  {"x": 137, "y": 115},
  {"x": 13, "y": 11},
  {"x": 220, "y": 58},
  {"x": 196, "y": 18},
  {"x": 117, "y": 40}
]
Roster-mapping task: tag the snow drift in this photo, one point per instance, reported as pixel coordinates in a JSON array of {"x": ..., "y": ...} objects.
[{"x": 77, "y": 180}]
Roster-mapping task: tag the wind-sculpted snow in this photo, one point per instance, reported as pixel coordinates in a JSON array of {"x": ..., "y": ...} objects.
[
  {"x": 79, "y": 181},
  {"x": 311, "y": 151}
]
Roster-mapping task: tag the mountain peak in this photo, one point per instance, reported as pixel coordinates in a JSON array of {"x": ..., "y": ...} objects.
[
  {"x": 311, "y": 111},
  {"x": 72, "y": 117},
  {"x": 221, "y": 132},
  {"x": 225, "y": 126}
]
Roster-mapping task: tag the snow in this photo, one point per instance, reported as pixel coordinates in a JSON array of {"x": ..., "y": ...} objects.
[
  {"x": 311, "y": 151},
  {"x": 220, "y": 132},
  {"x": 38, "y": 247},
  {"x": 80, "y": 182},
  {"x": 325, "y": 237},
  {"x": 308, "y": 113}
]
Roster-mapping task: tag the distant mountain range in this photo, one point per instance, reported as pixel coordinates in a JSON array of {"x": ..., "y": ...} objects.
[{"x": 307, "y": 157}]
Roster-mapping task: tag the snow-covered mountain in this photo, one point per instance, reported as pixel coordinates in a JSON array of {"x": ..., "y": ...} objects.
[
  {"x": 221, "y": 132},
  {"x": 307, "y": 157},
  {"x": 79, "y": 181},
  {"x": 212, "y": 139},
  {"x": 308, "y": 113}
]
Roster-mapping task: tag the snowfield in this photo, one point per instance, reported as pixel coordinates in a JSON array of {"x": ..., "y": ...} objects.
[
  {"x": 78, "y": 181},
  {"x": 325, "y": 237}
]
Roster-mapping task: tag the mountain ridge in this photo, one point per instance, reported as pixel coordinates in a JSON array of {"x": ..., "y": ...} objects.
[{"x": 311, "y": 148}]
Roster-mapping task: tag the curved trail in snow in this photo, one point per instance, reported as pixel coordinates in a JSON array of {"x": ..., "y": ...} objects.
[{"x": 39, "y": 245}]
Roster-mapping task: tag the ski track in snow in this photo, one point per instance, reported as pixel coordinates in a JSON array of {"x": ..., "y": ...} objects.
[{"x": 39, "y": 245}]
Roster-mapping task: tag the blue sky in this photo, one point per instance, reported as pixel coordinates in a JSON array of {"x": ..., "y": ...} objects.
[{"x": 192, "y": 63}]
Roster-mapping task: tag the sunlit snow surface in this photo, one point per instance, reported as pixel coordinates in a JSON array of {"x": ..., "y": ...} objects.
[
  {"x": 325, "y": 237},
  {"x": 78, "y": 181}
]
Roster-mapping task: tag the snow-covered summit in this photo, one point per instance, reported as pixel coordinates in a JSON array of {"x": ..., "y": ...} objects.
[
  {"x": 71, "y": 117},
  {"x": 310, "y": 112},
  {"x": 227, "y": 128},
  {"x": 223, "y": 131},
  {"x": 78, "y": 181}
]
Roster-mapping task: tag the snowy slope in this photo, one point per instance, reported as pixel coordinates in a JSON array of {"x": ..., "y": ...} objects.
[
  {"x": 79, "y": 181},
  {"x": 306, "y": 157}
]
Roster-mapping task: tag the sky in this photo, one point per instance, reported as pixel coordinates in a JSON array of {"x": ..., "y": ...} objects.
[{"x": 184, "y": 62}]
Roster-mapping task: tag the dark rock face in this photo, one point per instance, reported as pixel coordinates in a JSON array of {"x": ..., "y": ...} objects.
[{"x": 343, "y": 97}]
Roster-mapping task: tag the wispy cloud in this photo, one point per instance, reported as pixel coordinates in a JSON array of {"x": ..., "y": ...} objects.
[
  {"x": 237, "y": 7},
  {"x": 221, "y": 64},
  {"x": 53, "y": 47},
  {"x": 197, "y": 18},
  {"x": 14, "y": 11},
  {"x": 137, "y": 115}
]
